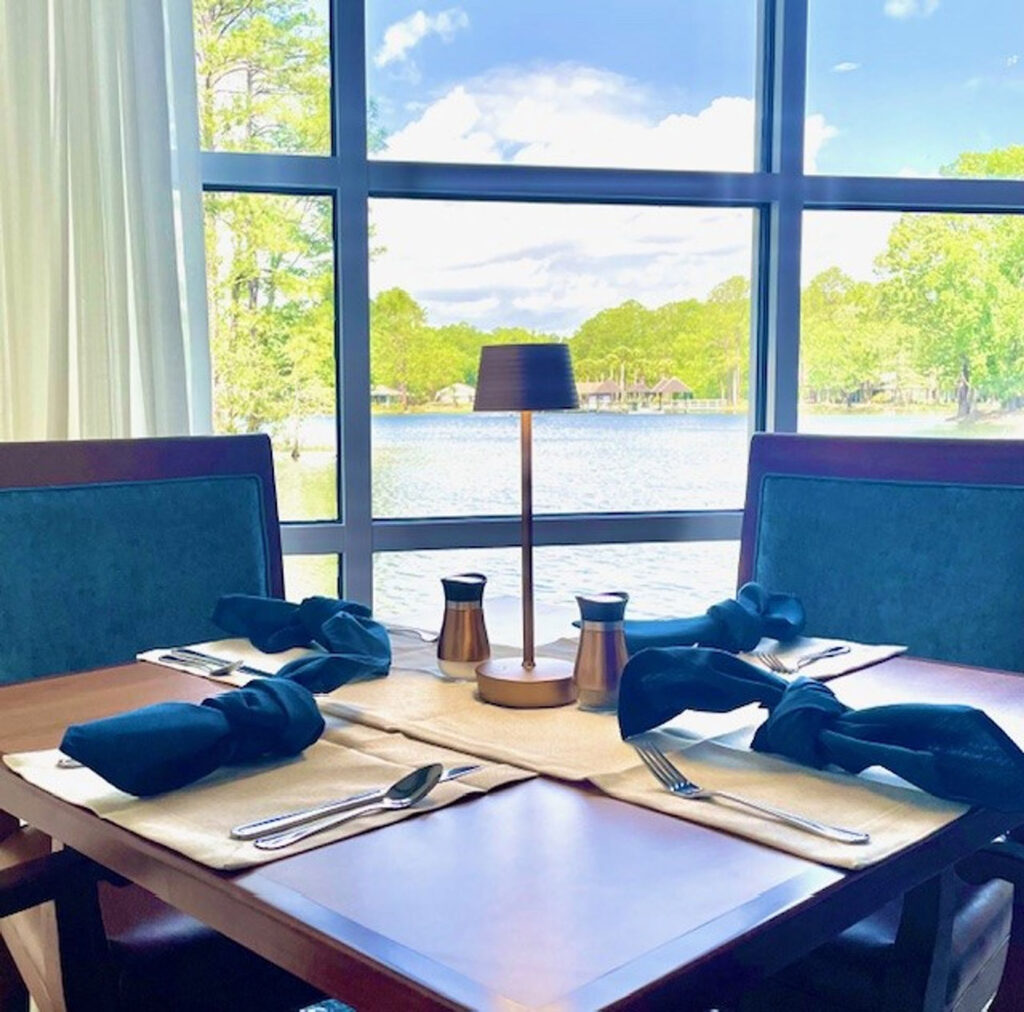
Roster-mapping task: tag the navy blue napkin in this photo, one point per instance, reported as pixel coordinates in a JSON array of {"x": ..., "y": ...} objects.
[
  {"x": 357, "y": 647},
  {"x": 168, "y": 745},
  {"x": 955, "y": 752},
  {"x": 730, "y": 625}
]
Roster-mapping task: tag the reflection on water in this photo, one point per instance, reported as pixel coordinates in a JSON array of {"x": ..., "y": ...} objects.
[{"x": 458, "y": 465}]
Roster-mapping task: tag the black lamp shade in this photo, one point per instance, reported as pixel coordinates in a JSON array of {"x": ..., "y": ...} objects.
[{"x": 525, "y": 377}]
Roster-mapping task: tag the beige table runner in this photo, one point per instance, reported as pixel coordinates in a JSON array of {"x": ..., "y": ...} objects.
[
  {"x": 416, "y": 700},
  {"x": 196, "y": 820}
]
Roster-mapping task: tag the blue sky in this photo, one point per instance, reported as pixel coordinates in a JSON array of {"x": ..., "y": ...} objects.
[
  {"x": 901, "y": 84},
  {"x": 894, "y": 87},
  {"x": 910, "y": 84}
]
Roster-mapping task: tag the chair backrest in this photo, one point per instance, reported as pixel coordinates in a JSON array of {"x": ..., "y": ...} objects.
[
  {"x": 912, "y": 541},
  {"x": 109, "y": 547}
]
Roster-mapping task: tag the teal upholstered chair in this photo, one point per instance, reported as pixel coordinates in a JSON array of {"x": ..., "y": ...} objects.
[
  {"x": 918, "y": 542},
  {"x": 108, "y": 548}
]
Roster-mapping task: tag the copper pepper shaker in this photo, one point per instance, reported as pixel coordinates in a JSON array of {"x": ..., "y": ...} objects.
[
  {"x": 601, "y": 654},
  {"x": 463, "y": 642}
]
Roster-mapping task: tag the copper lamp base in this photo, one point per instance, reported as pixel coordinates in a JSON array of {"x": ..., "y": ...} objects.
[{"x": 509, "y": 683}]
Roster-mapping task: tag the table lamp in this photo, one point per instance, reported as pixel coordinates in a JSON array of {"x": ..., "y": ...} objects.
[{"x": 526, "y": 378}]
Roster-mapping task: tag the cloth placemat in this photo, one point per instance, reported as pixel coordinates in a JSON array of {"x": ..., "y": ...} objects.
[
  {"x": 234, "y": 649},
  {"x": 894, "y": 813},
  {"x": 861, "y": 655},
  {"x": 196, "y": 820}
]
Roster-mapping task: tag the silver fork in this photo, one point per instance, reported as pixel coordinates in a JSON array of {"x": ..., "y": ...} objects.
[
  {"x": 775, "y": 663},
  {"x": 675, "y": 781}
]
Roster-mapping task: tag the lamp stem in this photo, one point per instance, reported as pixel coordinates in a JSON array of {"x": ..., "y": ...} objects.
[{"x": 526, "y": 457}]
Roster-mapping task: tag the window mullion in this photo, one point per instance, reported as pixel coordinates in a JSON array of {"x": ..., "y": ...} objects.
[
  {"x": 352, "y": 325},
  {"x": 785, "y": 74}
]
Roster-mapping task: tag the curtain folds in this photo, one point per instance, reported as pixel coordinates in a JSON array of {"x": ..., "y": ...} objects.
[{"x": 102, "y": 307}]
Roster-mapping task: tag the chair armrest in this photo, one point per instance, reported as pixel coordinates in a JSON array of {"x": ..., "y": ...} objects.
[{"x": 1003, "y": 858}]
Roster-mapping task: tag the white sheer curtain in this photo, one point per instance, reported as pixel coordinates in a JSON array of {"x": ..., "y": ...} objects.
[{"x": 102, "y": 278}]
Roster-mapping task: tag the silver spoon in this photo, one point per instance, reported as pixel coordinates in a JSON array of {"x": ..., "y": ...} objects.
[
  {"x": 288, "y": 820},
  {"x": 401, "y": 794}
]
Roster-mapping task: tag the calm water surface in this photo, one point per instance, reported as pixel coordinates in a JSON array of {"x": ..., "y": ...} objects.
[{"x": 465, "y": 464}]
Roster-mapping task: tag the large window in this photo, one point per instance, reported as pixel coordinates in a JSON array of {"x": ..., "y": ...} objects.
[{"x": 739, "y": 214}]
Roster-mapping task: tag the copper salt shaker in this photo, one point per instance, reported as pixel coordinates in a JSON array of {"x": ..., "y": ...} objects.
[
  {"x": 601, "y": 654},
  {"x": 463, "y": 642}
]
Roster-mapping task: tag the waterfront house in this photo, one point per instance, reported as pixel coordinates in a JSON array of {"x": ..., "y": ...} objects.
[
  {"x": 385, "y": 397},
  {"x": 597, "y": 396},
  {"x": 458, "y": 395},
  {"x": 670, "y": 392}
]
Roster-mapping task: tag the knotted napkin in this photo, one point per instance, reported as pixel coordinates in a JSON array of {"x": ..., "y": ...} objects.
[
  {"x": 735, "y": 624},
  {"x": 168, "y": 745},
  {"x": 357, "y": 647},
  {"x": 954, "y": 752}
]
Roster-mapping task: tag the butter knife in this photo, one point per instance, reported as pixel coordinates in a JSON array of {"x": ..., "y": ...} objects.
[
  {"x": 186, "y": 655},
  {"x": 278, "y": 823}
]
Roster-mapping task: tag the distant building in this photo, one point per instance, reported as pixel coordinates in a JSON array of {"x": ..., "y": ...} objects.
[
  {"x": 595, "y": 396},
  {"x": 385, "y": 396},
  {"x": 639, "y": 395},
  {"x": 669, "y": 391},
  {"x": 457, "y": 395}
]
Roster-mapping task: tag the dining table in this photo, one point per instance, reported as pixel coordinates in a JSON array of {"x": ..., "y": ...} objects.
[{"x": 543, "y": 894}]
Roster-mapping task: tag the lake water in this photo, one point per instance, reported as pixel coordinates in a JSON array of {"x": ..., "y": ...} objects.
[{"x": 463, "y": 464}]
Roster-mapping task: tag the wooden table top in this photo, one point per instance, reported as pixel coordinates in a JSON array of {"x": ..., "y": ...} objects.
[{"x": 539, "y": 895}]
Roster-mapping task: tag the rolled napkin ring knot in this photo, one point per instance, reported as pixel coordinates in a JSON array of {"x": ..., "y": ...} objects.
[
  {"x": 795, "y": 721},
  {"x": 269, "y": 718},
  {"x": 739, "y": 628}
]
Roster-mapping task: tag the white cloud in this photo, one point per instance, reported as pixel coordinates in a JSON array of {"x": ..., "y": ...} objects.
[
  {"x": 551, "y": 266},
  {"x": 574, "y": 115},
  {"x": 816, "y": 133},
  {"x": 845, "y": 67},
  {"x": 405, "y": 35},
  {"x": 1012, "y": 61},
  {"x": 903, "y": 9}
]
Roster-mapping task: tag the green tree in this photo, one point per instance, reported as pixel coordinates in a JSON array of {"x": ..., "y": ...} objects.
[
  {"x": 405, "y": 353},
  {"x": 263, "y": 76},
  {"x": 271, "y": 284},
  {"x": 957, "y": 282},
  {"x": 728, "y": 344},
  {"x": 263, "y": 85},
  {"x": 848, "y": 348}
]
